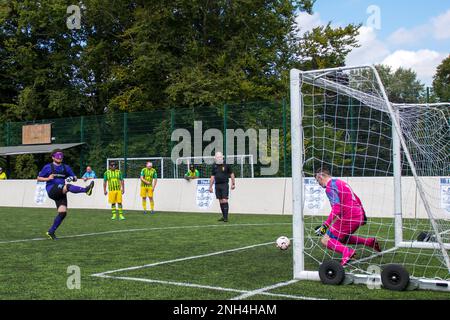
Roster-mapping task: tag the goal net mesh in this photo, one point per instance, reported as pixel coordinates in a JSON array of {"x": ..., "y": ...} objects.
[
  {"x": 348, "y": 129},
  {"x": 242, "y": 165}
]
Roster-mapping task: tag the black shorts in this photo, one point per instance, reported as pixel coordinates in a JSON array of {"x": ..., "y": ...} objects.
[
  {"x": 57, "y": 195},
  {"x": 222, "y": 190}
]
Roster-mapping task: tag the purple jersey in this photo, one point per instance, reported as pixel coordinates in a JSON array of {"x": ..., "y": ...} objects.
[
  {"x": 61, "y": 172},
  {"x": 345, "y": 204}
]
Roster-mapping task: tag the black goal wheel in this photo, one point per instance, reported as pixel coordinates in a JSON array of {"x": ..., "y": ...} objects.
[
  {"x": 331, "y": 272},
  {"x": 395, "y": 277}
]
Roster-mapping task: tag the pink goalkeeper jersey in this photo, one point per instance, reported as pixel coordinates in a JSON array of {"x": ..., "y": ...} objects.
[{"x": 345, "y": 204}]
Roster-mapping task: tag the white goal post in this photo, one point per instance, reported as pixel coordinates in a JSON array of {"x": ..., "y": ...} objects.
[
  {"x": 342, "y": 118},
  {"x": 163, "y": 165},
  {"x": 242, "y": 164}
]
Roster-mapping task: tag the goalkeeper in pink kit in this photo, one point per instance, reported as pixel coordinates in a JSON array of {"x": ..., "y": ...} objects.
[{"x": 347, "y": 215}]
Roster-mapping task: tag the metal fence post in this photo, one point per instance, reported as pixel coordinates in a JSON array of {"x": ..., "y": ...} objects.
[
  {"x": 284, "y": 138},
  {"x": 172, "y": 128},
  {"x": 125, "y": 143},
  {"x": 225, "y": 115},
  {"x": 82, "y": 146},
  {"x": 8, "y": 133}
]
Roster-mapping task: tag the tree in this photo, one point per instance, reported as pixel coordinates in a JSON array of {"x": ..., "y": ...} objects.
[
  {"x": 402, "y": 85},
  {"x": 441, "y": 81}
]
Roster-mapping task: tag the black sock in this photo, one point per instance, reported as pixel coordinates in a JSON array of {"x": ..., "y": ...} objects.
[{"x": 224, "y": 208}]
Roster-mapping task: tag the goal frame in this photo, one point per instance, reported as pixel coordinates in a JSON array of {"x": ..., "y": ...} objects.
[
  {"x": 297, "y": 140},
  {"x": 186, "y": 161},
  {"x": 138, "y": 159}
]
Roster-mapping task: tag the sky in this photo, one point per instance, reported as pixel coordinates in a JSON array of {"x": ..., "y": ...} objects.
[{"x": 400, "y": 33}]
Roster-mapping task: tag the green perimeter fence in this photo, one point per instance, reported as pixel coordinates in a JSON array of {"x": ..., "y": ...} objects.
[{"x": 148, "y": 134}]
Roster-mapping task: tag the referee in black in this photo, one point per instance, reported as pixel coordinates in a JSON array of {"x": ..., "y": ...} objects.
[{"x": 220, "y": 175}]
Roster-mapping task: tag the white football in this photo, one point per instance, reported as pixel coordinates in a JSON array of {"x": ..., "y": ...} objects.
[{"x": 283, "y": 243}]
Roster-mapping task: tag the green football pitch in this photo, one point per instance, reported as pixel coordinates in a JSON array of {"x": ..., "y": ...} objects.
[{"x": 167, "y": 256}]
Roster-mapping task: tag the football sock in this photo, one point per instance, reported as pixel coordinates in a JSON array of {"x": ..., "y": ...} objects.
[
  {"x": 224, "y": 207},
  {"x": 152, "y": 204},
  {"x": 113, "y": 209},
  {"x": 144, "y": 204},
  {"x": 120, "y": 210},
  {"x": 359, "y": 240},
  {"x": 76, "y": 189},
  {"x": 58, "y": 220},
  {"x": 335, "y": 245}
]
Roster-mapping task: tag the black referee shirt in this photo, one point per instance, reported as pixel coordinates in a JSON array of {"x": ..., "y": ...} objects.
[{"x": 221, "y": 173}]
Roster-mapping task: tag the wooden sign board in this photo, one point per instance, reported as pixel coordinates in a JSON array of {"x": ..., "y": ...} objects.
[{"x": 37, "y": 134}]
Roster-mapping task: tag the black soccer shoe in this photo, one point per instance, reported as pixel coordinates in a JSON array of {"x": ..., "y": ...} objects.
[
  {"x": 51, "y": 235},
  {"x": 89, "y": 188}
]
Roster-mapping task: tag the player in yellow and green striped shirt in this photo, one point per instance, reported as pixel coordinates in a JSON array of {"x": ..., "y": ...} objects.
[
  {"x": 114, "y": 180},
  {"x": 149, "y": 179}
]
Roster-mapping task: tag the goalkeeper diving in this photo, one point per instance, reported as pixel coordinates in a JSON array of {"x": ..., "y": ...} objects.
[{"x": 347, "y": 215}]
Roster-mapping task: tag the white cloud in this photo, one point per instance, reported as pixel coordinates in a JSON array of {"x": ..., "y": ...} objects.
[
  {"x": 423, "y": 62},
  {"x": 306, "y": 22},
  {"x": 441, "y": 26},
  {"x": 405, "y": 36},
  {"x": 437, "y": 27},
  {"x": 371, "y": 49}
]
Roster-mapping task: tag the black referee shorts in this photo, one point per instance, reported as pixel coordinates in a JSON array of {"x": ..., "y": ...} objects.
[
  {"x": 57, "y": 195},
  {"x": 222, "y": 190}
]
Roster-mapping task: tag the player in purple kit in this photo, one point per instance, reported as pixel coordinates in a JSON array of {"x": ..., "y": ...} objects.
[
  {"x": 347, "y": 215},
  {"x": 56, "y": 174}
]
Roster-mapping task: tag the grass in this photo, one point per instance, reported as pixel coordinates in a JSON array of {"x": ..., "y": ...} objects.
[{"x": 37, "y": 269}]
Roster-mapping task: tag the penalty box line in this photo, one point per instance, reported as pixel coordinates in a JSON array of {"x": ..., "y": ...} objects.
[
  {"x": 243, "y": 293},
  {"x": 146, "y": 229}
]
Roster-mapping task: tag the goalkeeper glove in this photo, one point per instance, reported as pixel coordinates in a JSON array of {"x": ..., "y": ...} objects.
[{"x": 321, "y": 230}]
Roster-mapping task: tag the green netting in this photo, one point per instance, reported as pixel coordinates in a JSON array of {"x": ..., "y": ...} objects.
[{"x": 148, "y": 134}]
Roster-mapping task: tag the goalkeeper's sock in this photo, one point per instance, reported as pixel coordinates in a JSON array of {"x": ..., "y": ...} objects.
[
  {"x": 75, "y": 189},
  {"x": 335, "y": 245},
  {"x": 57, "y": 222},
  {"x": 369, "y": 242}
]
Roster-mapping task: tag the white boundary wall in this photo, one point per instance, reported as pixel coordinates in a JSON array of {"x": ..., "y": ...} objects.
[{"x": 252, "y": 196}]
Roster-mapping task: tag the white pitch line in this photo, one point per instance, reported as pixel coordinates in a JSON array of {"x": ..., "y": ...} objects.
[
  {"x": 261, "y": 290},
  {"x": 146, "y": 229},
  {"x": 201, "y": 286},
  {"x": 182, "y": 259},
  {"x": 244, "y": 293},
  {"x": 181, "y": 284}
]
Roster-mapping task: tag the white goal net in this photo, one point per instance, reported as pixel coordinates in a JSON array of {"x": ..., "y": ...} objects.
[
  {"x": 242, "y": 165},
  {"x": 133, "y": 166},
  {"x": 394, "y": 157}
]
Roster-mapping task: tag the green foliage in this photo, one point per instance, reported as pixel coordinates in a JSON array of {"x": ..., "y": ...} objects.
[
  {"x": 138, "y": 55},
  {"x": 441, "y": 82},
  {"x": 25, "y": 167},
  {"x": 402, "y": 85}
]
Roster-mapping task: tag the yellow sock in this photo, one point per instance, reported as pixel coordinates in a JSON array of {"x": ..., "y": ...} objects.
[
  {"x": 152, "y": 204},
  {"x": 113, "y": 212},
  {"x": 144, "y": 204},
  {"x": 120, "y": 212}
]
